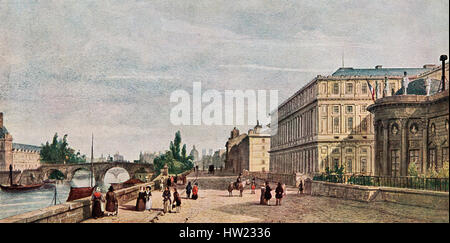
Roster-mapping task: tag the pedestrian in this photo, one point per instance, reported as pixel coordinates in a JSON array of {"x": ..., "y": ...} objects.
[
  {"x": 300, "y": 187},
  {"x": 279, "y": 194},
  {"x": 262, "y": 201},
  {"x": 188, "y": 189},
  {"x": 169, "y": 181},
  {"x": 176, "y": 199},
  {"x": 140, "y": 201},
  {"x": 175, "y": 180},
  {"x": 184, "y": 179},
  {"x": 172, "y": 181},
  {"x": 253, "y": 186},
  {"x": 161, "y": 184},
  {"x": 148, "y": 198},
  {"x": 111, "y": 202},
  {"x": 97, "y": 199},
  {"x": 167, "y": 201},
  {"x": 195, "y": 191},
  {"x": 267, "y": 194}
]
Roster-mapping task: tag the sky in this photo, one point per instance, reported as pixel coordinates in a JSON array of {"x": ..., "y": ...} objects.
[{"x": 109, "y": 67}]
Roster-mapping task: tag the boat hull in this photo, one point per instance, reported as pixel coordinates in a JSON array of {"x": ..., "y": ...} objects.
[{"x": 21, "y": 188}]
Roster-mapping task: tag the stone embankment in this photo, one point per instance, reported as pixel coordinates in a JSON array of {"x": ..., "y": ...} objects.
[{"x": 421, "y": 198}]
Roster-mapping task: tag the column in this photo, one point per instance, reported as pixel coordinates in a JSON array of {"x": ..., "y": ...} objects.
[
  {"x": 424, "y": 144},
  {"x": 384, "y": 159},
  {"x": 404, "y": 148}
]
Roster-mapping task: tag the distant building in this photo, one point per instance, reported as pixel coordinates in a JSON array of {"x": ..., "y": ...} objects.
[
  {"x": 247, "y": 151},
  {"x": 118, "y": 157},
  {"x": 147, "y": 157},
  {"x": 20, "y": 156},
  {"x": 413, "y": 128},
  {"x": 195, "y": 155}
]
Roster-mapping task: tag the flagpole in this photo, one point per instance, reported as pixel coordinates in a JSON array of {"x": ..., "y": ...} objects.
[{"x": 92, "y": 159}]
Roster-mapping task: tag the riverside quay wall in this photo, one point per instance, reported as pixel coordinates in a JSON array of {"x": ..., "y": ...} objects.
[
  {"x": 421, "y": 198},
  {"x": 71, "y": 212}
]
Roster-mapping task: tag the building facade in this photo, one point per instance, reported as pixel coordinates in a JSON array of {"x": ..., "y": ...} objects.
[
  {"x": 326, "y": 123},
  {"x": 412, "y": 128},
  {"x": 248, "y": 151},
  {"x": 20, "y": 156}
]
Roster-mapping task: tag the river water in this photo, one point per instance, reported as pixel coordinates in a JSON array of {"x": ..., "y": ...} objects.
[{"x": 21, "y": 202}]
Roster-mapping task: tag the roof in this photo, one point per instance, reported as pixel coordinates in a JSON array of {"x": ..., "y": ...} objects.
[
  {"x": 19, "y": 146},
  {"x": 417, "y": 87},
  {"x": 379, "y": 71},
  {"x": 3, "y": 132}
]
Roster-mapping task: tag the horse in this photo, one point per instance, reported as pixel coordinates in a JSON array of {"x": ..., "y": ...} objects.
[{"x": 240, "y": 186}]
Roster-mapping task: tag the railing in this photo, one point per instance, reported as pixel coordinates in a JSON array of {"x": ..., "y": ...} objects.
[{"x": 421, "y": 183}]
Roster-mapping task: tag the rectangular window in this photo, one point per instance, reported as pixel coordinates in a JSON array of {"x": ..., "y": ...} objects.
[
  {"x": 364, "y": 125},
  {"x": 395, "y": 162},
  {"x": 336, "y": 109},
  {"x": 336, "y": 125},
  {"x": 336, "y": 88},
  {"x": 432, "y": 159},
  {"x": 363, "y": 108},
  {"x": 349, "y": 109},
  {"x": 335, "y": 162},
  {"x": 364, "y": 88},
  {"x": 363, "y": 164},
  {"x": 414, "y": 157},
  {"x": 363, "y": 150},
  {"x": 349, "y": 88},
  {"x": 349, "y": 124},
  {"x": 349, "y": 165},
  {"x": 349, "y": 151}
]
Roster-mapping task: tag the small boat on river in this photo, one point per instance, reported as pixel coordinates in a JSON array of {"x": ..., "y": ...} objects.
[{"x": 17, "y": 187}]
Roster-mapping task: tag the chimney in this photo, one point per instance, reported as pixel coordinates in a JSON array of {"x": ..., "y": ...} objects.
[
  {"x": 1, "y": 120},
  {"x": 443, "y": 58},
  {"x": 378, "y": 66}
]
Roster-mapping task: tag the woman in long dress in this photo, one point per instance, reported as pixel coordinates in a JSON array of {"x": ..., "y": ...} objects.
[
  {"x": 188, "y": 190},
  {"x": 97, "y": 199},
  {"x": 166, "y": 200},
  {"x": 111, "y": 202},
  {"x": 148, "y": 198},
  {"x": 279, "y": 194},
  {"x": 263, "y": 191},
  {"x": 140, "y": 202},
  {"x": 267, "y": 194},
  {"x": 195, "y": 192},
  {"x": 176, "y": 199}
]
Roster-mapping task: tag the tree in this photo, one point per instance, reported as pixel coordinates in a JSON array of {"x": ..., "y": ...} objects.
[
  {"x": 175, "y": 158},
  {"x": 59, "y": 152}
]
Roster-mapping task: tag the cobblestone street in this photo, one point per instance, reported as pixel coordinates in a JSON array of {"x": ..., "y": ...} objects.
[{"x": 215, "y": 206}]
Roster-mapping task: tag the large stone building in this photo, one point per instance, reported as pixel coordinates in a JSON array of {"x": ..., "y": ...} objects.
[
  {"x": 413, "y": 128},
  {"x": 248, "y": 151},
  {"x": 326, "y": 123},
  {"x": 20, "y": 156}
]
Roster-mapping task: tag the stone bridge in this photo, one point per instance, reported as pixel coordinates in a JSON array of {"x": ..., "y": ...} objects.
[{"x": 100, "y": 169}]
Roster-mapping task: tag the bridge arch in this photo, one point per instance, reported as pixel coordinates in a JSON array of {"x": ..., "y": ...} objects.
[
  {"x": 54, "y": 173},
  {"x": 80, "y": 176},
  {"x": 115, "y": 175}
]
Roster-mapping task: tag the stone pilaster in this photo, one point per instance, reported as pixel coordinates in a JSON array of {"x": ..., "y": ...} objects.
[
  {"x": 424, "y": 124},
  {"x": 384, "y": 159},
  {"x": 404, "y": 147}
]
